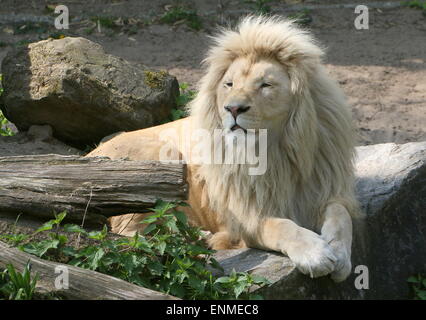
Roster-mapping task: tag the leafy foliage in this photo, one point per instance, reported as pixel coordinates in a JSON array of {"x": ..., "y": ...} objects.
[
  {"x": 302, "y": 17},
  {"x": 186, "y": 95},
  {"x": 4, "y": 130},
  {"x": 169, "y": 256},
  {"x": 260, "y": 6},
  {"x": 419, "y": 286},
  {"x": 181, "y": 13},
  {"x": 416, "y": 4},
  {"x": 17, "y": 286},
  {"x": 105, "y": 21}
]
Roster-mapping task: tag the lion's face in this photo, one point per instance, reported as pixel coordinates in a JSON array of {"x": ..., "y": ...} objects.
[{"x": 254, "y": 95}]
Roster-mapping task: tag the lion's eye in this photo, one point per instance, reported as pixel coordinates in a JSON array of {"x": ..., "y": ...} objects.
[
  {"x": 228, "y": 84},
  {"x": 265, "y": 85}
]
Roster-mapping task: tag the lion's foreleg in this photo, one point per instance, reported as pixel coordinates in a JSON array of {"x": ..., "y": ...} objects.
[
  {"x": 308, "y": 250},
  {"x": 337, "y": 232}
]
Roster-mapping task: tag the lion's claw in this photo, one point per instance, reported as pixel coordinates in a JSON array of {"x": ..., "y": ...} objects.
[{"x": 312, "y": 255}]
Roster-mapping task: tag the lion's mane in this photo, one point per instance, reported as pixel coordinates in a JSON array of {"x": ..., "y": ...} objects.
[{"x": 311, "y": 164}]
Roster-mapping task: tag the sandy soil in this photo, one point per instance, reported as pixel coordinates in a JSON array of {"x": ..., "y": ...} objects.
[{"x": 382, "y": 69}]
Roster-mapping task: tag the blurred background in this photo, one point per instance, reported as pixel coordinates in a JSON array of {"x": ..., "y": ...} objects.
[{"x": 382, "y": 70}]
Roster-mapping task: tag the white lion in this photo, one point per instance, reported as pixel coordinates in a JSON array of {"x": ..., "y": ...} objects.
[{"x": 267, "y": 74}]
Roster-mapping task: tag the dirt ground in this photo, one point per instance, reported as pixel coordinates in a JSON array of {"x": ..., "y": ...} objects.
[{"x": 382, "y": 70}]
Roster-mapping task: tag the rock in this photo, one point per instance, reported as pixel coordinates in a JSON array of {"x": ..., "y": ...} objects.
[
  {"x": 41, "y": 133},
  {"x": 390, "y": 242},
  {"x": 83, "y": 93},
  {"x": 38, "y": 140}
]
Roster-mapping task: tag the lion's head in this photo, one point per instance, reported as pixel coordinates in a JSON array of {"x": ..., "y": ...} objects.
[
  {"x": 255, "y": 74},
  {"x": 267, "y": 74},
  {"x": 254, "y": 93}
]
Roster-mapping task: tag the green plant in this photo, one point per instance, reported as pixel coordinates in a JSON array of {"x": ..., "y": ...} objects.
[
  {"x": 419, "y": 286},
  {"x": 185, "y": 96},
  {"x": 17, "y": 286},
  {"x": 105, "y": 21},
  {"x": 180, "y": 13},
  {"x": 4, "y": 129},
  {"x": 260, "y": 6},
  {"x": 416, "y": 4},
  {"x": 55, "y": 239},
  {"x": 302, "y": 17},
  {"x": 169, "y": 256}
]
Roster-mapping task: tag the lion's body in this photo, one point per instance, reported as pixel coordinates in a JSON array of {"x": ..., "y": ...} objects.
[{"x": 307, "y": 187}]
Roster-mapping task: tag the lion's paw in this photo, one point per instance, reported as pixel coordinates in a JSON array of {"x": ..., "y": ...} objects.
[
  {"x": 312, "y": 255},
  {"x": 343, "y": 264}
]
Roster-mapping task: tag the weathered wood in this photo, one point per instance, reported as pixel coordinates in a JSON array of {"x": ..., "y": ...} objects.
[
  {"x": 42, "y": 184},
  {"x": 83, "y": 284}
]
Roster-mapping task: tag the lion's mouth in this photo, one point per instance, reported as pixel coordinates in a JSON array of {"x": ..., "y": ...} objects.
[{"x": 236, "y": 127}]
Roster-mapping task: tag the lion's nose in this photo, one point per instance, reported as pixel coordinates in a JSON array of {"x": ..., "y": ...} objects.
[{"x": 236, "y": 110}]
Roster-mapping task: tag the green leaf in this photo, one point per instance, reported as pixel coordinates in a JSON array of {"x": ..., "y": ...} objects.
[
  {"x": 155, "y": 267},
  {"x": 197, "y": 284},
  {"x": 130, "y": 262},
  {"x": 46, "y": 226},
  {"x": 149, "y": 219},
  {"x": 177, "y": 290},
  {"x": 40, "y": 248},
  {"x": 74, "y": 228},
  {"x": 94, "y": 263},
  {"x": 69, "y": 251},
  {"x": 181, "y": 275},
  {"x": 171, "y": 224},
  {"x": 161, "y": 247},
  {"x": 413, "y": 279},
  {"x": 60, "y": 237},
  {"x": 60, "y": 217},
  {"x": 223, "y": 280},
  {"x": 239, "y": 288},
  {"x": 196, "y": 250},
  {"x": 149, "y": 228},
  {"x": 15, "y": 238},
  {"x": 422, "y": 294},
  {"x": 98, "y": 235},
  {"x": 170, "y": 259},
  {"x": 180, "y": 216}
]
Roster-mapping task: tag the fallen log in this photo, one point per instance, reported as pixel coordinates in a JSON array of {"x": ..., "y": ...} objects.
[
  {"x": 82, "y": 284},
  {"x": 97, "y": 187}
]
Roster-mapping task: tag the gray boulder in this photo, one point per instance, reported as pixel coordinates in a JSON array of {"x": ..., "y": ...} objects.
[
  {"x": 85, "y": 94},
  {"x": 390, "y": 241}
]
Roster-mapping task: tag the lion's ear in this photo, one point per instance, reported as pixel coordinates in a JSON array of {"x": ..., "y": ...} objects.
[
  {"x": 299, "y": 65},
  {"x": 297, "y": 80}
]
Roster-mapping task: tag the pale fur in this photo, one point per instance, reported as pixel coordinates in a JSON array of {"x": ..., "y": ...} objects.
[
  {"x": 310, "y": 165},
  {"x": 303, "y": 204}
]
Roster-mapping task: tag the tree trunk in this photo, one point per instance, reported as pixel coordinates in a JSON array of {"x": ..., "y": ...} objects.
[
  {"x": 43, "y": 184},
  {"x": 82, "y": 284}
]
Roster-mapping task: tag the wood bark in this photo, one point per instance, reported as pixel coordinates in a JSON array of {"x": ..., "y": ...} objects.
[
  {"x": 42, "y": 184},
  {"x": 82, "y": 284}
]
